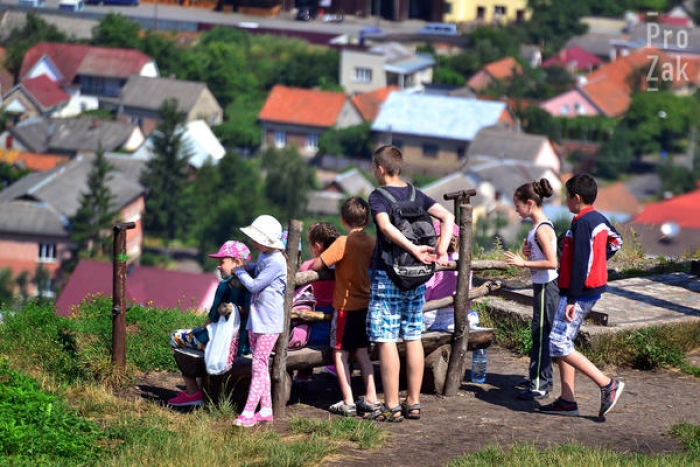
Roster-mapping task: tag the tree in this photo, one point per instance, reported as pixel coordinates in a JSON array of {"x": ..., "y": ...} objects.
[
  {"x": 6, "y": 288},
  {"x": 35, "y": 30},
  {"x": 116, "y": 30},
  {"x": 91, "y": 224},
  {"x": 615, "y": 155},
  {"x": 354, "y": 141},
  {"x": 536, "y": 120},
  {"x": 289, "y": 178},
  {"x": 166, "y": 175},
  {"x": 675, "y": 179}
]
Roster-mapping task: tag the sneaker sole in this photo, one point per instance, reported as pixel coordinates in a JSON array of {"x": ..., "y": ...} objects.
[
  {"x": 568, "y": 413},
  {"x": 618, "y": 393}
]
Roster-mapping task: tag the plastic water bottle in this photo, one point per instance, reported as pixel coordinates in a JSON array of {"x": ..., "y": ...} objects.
[
  {"x": 479, "y": 366},
  {"x": 473, "y": 318}
]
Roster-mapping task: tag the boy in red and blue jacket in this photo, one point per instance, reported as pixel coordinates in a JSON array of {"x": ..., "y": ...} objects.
[{"x": 583, "y": 278}]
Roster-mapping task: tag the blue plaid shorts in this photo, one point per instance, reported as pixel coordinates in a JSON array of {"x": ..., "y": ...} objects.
[
  {"x": 394, "y": 313},
  {"x": 564, "y": 333}
]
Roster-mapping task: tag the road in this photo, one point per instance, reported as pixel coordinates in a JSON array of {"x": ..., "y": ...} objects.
[{"x": 161, "y": 15}]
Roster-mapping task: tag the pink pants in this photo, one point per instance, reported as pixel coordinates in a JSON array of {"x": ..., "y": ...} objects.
[{"x": 261, "y": 345}]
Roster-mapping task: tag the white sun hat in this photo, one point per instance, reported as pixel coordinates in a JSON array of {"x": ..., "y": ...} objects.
[{"x": 267, "y": 231}]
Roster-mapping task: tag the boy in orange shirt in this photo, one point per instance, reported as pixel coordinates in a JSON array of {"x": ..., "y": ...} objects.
[{"x": 351, "y": 256}]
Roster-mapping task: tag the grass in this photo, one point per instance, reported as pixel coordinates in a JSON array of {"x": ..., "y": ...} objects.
[{"x": 63, "y": 404}]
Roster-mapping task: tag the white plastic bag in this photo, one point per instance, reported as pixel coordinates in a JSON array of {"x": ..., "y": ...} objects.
[{"x": 220, "y": 352}]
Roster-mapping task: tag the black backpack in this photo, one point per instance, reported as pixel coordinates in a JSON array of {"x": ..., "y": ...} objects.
[{"x": 417, "y": 226}]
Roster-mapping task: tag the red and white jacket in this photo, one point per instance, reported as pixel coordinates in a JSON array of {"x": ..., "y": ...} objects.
[{"x": 588, "y": 244}]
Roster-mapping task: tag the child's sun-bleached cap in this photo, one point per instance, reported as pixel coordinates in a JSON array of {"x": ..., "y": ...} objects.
[
  {"x": 267, "y": 231},
  {"x": 232, "y": 249}
]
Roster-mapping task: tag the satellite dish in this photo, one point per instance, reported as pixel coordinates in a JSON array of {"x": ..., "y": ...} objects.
[{"x": 669, "y": 230}]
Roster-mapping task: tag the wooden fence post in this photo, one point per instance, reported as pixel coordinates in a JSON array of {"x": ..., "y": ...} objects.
[
  {"x": 460, "y": 338},
  {"x": 281, "y": 382},
  {"x": 119, "y": 294}
]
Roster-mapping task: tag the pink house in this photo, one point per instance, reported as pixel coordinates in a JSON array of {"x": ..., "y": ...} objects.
[{"x": 572, "y": 103}]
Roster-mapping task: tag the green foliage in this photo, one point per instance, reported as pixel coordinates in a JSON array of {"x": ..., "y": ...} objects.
[
  {"x": 675, "y": 179},
  {"x": 615, "y": 155},
  {"x": 660, "y": 120},
  {"x": 354, "y": 142},
  {"x": 116, "y": 30},
  {"x": 536, "y": 120},
  {"x": 39, "y": 429},
  {"x": 10, "y": 173},
  {"x": 554, "y": 23},
  {"x": 7, "y": 287},
  {"x": 91, "y": 224},
  {"x": 288, "y": 180},
  {"x": 241, "y": 129},
  {"x": 166, "y": 175},
  {"x": 35, "y": 30}
]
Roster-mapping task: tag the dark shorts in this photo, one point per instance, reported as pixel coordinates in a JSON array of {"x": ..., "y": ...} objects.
[{"x": 348, "y": 330}]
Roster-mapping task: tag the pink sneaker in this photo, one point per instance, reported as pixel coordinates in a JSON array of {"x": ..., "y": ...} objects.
[
  {"x": 183, "y": 399},
  {"x": 263, "y": 420},
  {"x": 246, "y": 422}
]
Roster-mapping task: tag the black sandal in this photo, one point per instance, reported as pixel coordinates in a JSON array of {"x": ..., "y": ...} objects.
[
  {"x": 389, "y": 415},
  {"x": 368, "y": 411},
  {"x": 411, "y": 412}
]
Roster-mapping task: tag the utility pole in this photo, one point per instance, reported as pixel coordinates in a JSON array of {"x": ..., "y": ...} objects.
[{"x": 691, "y": 147}]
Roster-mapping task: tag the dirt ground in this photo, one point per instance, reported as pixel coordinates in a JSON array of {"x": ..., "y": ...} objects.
[{"x": 489, "y": 414}]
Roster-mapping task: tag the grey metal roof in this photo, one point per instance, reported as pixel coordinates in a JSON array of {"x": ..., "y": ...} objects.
[
  {"x": 324, "y": 202},
  {"x": 147, "y": 93},
  {"x": 71, "y": 135},
  {"x": 500, "y": 143},
  {"x": 411, "y": 64},
  {"x": 353, "y": 182},
  {"x": 28, "y": 217},
  {"x": 428, "y": 115},
  {"x": 61, "y": 187},
  {"x": 455, "y": 182},
  {"x": 507, "y": 175}
]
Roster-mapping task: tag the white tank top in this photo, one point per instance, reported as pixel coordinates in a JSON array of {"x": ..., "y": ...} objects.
[{"x": 540, "y": 276}]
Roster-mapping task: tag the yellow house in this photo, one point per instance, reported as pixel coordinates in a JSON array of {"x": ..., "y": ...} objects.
[{"x": 486, "y": 11}]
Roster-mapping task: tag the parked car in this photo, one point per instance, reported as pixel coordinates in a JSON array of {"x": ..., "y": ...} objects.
[
  {"x": 113, "y": 2},
  {"x": 71, "y": 5},
  {"x": 439, "y": 28},
  {"x": 306, "y": 14}
]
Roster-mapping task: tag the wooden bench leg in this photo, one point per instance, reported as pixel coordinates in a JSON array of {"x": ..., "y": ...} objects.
[{"x": 436, "y": 370}]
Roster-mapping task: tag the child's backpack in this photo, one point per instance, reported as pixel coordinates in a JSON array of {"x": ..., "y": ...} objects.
[
  {"x": 300, "y": 331},
  {"x": 417, "y": 226}
]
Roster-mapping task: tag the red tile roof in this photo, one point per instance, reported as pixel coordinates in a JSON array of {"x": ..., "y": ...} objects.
[
  {"x": 503, "y": 69},
  {"x": 609, "y": 87},
  {"x": 303, "y": 106},
  {"x": 33, "y": 162},
  {"x": 583, "y": 59},
  {"x": 684, "y": 210},
  {"x": 368, "y": 103},
  {"x": 74, "y": 59},
  {"x": 45, "y": 92},
  {"x": 145, "y": 285},
  {"x": 616, "y": 198}
]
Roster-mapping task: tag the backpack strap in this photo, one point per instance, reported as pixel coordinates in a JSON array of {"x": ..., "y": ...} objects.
[{"x": 392, "y": 199}]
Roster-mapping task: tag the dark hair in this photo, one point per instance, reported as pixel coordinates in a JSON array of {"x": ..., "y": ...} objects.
[
  {"x": 535, "y": 191},
  {"x": 583, "y": 185},
  {"x": 389, "y": 157},
  {"x": 323, "y": 233},
  {"x": 355, "y": 212}
]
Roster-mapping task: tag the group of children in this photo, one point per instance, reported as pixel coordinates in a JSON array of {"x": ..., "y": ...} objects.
[{"x": 368, "y": 307}]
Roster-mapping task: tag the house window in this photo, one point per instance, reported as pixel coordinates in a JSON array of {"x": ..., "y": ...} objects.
[
  {"x": 280, "y": 139},
  {"x": 579, "y": 109},
  {"x": 447, "y": 8},
  {"x": 363, "y": 75},
  {"x": 461, "y": 151},
  {"x": 480, "y": 13},
  {"x": 564, "y": 109},
  {"x": 45, "y": 288},
  {"x": 47, "y": 253},
  {"x": 499, "y": 10},
  {"x": 312, "y": 143},
  {"x": 430, "y": 151}
]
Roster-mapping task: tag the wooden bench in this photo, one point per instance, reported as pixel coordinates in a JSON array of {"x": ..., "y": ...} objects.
[{"x": 437, "y": 347}]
